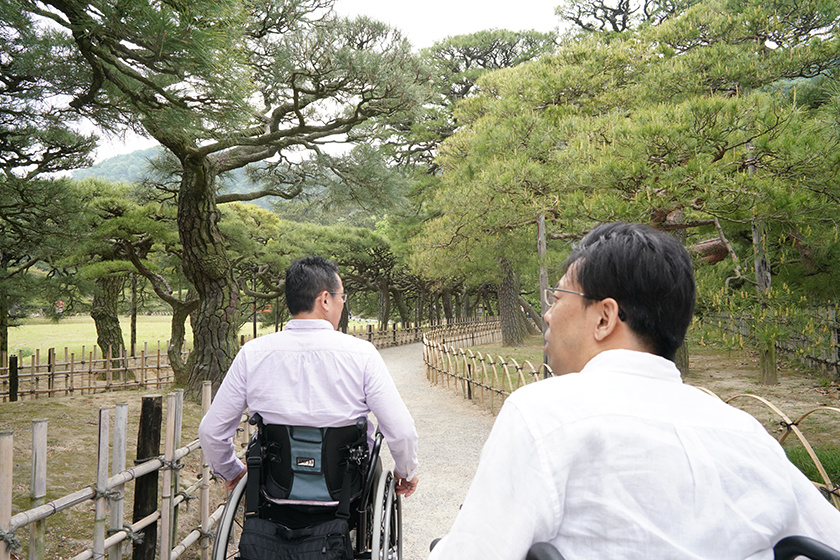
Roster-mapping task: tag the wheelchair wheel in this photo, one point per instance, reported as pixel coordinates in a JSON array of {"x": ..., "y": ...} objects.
[
  {"x": 226, "y": 543},
  {"x": 386, "y": 538}
]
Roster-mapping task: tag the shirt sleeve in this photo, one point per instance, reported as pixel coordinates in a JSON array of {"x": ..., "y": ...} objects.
[
  {"x": 512, "y": 501},
  {"x": 217, "y": 428},
  {"x": 394, "y": 419}
]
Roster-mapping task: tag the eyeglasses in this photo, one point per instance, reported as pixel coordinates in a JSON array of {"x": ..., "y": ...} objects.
[
  {"x": 343, "y": 295},
  {"x": 551, "y": 297}
]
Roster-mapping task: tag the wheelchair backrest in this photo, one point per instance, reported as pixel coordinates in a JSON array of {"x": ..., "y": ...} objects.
[{"x": 302, "y": 463}]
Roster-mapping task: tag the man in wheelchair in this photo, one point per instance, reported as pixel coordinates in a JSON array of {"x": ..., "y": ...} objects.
[
  {"x": 615, "y": 457},
  {"x": 312, "y": 377}
]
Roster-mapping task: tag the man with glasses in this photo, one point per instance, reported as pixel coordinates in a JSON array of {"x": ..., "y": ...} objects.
[
  {"x": 309, "y": 374},
  {"x": 615, "y": 457}
]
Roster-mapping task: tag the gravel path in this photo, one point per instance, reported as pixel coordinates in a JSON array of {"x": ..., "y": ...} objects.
[{"x": 452, "y": 432}]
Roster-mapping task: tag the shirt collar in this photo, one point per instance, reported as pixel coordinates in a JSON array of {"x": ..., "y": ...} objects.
[
  {"x": 308, "y": 324},
  {"x": 632, "y": 362}
]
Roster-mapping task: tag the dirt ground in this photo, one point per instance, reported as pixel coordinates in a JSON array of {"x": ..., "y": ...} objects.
[{"x": 734, "y": 375}]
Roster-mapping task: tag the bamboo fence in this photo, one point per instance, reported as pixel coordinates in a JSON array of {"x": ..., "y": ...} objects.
[
  {"x": 90, "y": 373},
  {"x": 33, "y": 377},
  {"x": 110, "y": 532}
]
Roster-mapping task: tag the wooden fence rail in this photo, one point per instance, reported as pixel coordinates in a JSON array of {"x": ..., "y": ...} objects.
[
  {"x": 32, "y": 378},
  {"x": 110, "y": 531},
  {"x": 489, "y": 381},
  {"x": 90, "y": 373}
]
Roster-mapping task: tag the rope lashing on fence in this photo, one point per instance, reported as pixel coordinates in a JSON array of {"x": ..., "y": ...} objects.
[
  {"x": 186, "y": 496},
  {"x": 10, "y": 539},
  {"x": 129, "y": 532},
  {"x": 109, "y": 494},
  {"x": 171, "y": 465},
  {"x": 788, "y": 425},
  {"x": 829, "y": 492}
]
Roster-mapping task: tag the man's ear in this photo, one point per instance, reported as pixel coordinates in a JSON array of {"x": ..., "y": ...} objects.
[
  {"x": 608, "y": 319},
  {"x": 322, "y": 301}
]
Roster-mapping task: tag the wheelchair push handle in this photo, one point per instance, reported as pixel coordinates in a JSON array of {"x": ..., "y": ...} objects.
[{"x": 792, "y": 547}]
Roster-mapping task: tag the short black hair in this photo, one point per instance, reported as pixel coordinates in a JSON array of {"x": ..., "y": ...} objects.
[
  {"x": 305, "y": 279},
  {"x": 648, "y": 272}
]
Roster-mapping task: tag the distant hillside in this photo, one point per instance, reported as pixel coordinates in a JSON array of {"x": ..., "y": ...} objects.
[
  {"x": 126, "y": 168},
  {"x": 130, "y": 168}
]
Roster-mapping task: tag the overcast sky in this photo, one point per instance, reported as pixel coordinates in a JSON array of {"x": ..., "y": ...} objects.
[
  {"x": 427, "y": 21},
  {"x": 423, "y": 22}
]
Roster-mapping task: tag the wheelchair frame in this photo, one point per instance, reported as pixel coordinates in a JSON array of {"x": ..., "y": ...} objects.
[
  {"x": 788, "y": 548},
  {"x": 378, "y": 530}
]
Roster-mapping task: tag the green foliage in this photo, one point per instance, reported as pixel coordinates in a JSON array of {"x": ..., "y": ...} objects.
[
  {"x": 829, "y": 458},
  {"x": 714, "y": 121}
]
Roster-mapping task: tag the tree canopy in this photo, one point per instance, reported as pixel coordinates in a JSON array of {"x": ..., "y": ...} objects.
[
  {"x": 222, "y": 85},
  {"x": 719, "y": 121}
]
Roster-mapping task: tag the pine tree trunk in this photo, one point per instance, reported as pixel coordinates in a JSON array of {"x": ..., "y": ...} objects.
[
  {"x": 513, "y": 324},
  {"x": 419, "y": 303},
  {"x": 4, "y": 324},
  {"x": 133, "y": 334},
  {"x": 208, "y": 268},
  {"x": 384, "y": 305},
  {"x": 402, "y": 309},
  {"x": 446, "y": 301},
  {"x": 103, "y": 310},
  {"x": 763, "y": 278},
  {"x": 681, "y": 359}
]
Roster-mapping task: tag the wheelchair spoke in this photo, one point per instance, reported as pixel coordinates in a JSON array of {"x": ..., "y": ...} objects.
[{"x": 226, "y": 544}]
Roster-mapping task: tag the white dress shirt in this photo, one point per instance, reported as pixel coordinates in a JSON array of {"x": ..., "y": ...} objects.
[
  {"x": 307, "y": 375},
  {"x": 623, "y": 460}
]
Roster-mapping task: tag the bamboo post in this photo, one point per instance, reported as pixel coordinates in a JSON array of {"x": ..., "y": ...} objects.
[
  {"x": 122, "y": 368},
  {"x": 92, "y": 357},
  {"x": 158, "y": 364},
  {"x": 6, "y": 467},
  {"x": 13, "y": 378},
  {"x": 38, "y": 488},
  {"x": 109, "y": 374},
  {"x": 72, "y": 369},
  {"x": 204, "y": 544},
  {"x": 35, "y": 362},
  {"x": 66, "y": 365},
  {"x": 101, "y": 512},
  {"x": 50, "y": 372},
  {"x": 176, "y": 478},
  {"x": 82, "y": 371},
  {"x": 146, "y": 487},
  {"x": 166, "y": 505},
  {"x": 143, "y": 367},
  {"x": 117, "y": 502}
]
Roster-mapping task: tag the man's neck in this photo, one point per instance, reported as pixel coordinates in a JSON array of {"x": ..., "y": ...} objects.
[{"x": 308, "y": 316}]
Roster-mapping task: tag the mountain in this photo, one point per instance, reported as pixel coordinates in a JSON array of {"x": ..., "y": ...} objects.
[
  {"x": 131, "y": 168},
  {"x": 126, "y": 168}
]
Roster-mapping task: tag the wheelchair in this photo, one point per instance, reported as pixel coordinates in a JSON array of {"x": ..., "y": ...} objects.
[
  {"x": 788, "y": 548},
  {"x": 298, "y": 476}
]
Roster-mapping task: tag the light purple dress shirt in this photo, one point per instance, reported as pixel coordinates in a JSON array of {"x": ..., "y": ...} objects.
[{"x": 307, "y": 375}]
